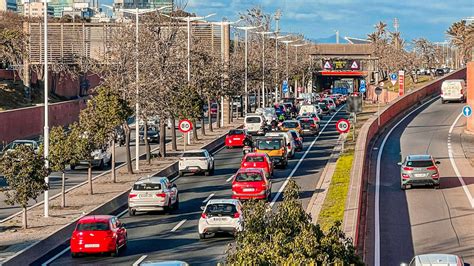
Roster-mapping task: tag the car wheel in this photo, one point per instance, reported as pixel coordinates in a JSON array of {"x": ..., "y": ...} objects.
[
  {"x": 73, "y": 167},
  {"x": 212, "y": 170},
  {"x": 438, "y": 186},
  {"x": 403, "y": 187},
  {"x": 176, "y": 203},
  {"x": 101, "y": 165},
  {"x": 202, "y": 236},
  {"x": 443, "y": 101},
  {"x": 180, "y": 173},
  {"x": 115, "y": 253},
  {"x": 131, "y": 212},
  {"x": 74, "y": 255},
  {"x": 208, "y": 171}
]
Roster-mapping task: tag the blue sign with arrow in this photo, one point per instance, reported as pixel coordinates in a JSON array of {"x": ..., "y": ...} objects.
[
  {"x": 393, "y": 78},
  {"x": 362, "y": 87},
  {"x": 285, "y": 86},
  {"x": 467, "y": 111}
]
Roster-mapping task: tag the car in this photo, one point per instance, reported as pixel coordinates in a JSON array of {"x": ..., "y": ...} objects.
[
  {"x": 258, "y": 160},
  {"x": 251, "y": 183},
  {"x": 307, "y": 108},
  {"x": 255, "y": 124},
  {"x": 100, "y": 158},
  {"x": 309, "y": 126},
  {"x": 453, "y": 90},
  {"x": 324, "y": 108},
  {"x": 268, "y": 113},
  {"x": 96, "y": 234},
  {"x": 436, "y": 259},
  {"x": 439, "y": 72},
  {"x": 280, "y": 109},
  {"x": 164, "y": 263},
  {"x": 237, "y": 138},
  {"x": 153, "y": 194},
  {"x": 290, "y": 142},
  {"x": 16, "y": 143},
  {"x": 419, "y": 170},
  {"x": 298, "y": 139},
  {"x": 153, "y": 134},
  {"x": 214, "y": 107},
  {"x": 196, "y": 161},
  {"x": 331, "y": 104},
  {"x": 291, "y": 124},
  {"x": 221, "y": 215},
  {"x": 275, "y": 147},
  {"x": 313, "y": 116}
]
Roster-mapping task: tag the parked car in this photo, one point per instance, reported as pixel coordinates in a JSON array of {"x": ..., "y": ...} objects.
[
  {"x": 153, "y": 134},
  {"x": 309, "y": 126},
  {"x": 255, "y": 124},
  {"x": 196, "y": 161},
  {"x": 221, "y": 215},
  {"x": 258, "y": 160},
  {"x": 453, "y": 90},
  {"x": 275, "y": 147},
  {"x": 214, "y": 107},
  {"x": 100, "y": 158},
  {"x": 237, "y": 138},
  {"x": 16, "y": 143},
  {"x": 436, "y": 259},
  {"x": 251, "y": 183},
  {"x": 153, "y": 194},
  {"x": 98, "y": 234},
  {"x": 298, "y": 139},
  {"x": 419, "y": 170},
  {"x": 439, "y": 72}
]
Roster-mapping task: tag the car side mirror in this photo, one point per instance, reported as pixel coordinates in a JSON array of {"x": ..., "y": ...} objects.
[
  {"x": 437, "y": 162},
  {"x": 400, "y": 163},
  {"x": 203, "y": 207}
]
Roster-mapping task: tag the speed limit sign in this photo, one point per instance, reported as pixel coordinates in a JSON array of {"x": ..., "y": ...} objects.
[
  {"x": 185, "y": 125},
  {"x": 343, "y": 126}
]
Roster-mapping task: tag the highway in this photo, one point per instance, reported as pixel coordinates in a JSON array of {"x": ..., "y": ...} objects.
[
  {"x": 161, "y": 236},
  {"x": 420, "y": 220}
]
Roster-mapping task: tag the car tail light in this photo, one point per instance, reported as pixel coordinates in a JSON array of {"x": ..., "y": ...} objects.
[
  {"x": 407, "y": 168},
  {"x": 204, "y": 215},
  {"x": 405, "y": 176},
  {"x": 131, "y": 196},
  {"x": 161, "y": 195},
  {"x": 236, "y": 215},
  {"x": 431, "y": 168},
  {"x": 109, "y": 234},
  {"x": 313, "y": 126},
  {"x": 435, "y": 175},
  {"x": 245, "y": 164}
]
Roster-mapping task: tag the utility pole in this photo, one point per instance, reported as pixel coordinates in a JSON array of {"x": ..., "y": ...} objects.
[{"x": 46, "y": 111}]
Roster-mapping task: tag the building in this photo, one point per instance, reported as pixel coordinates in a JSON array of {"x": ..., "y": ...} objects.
[
  {"x": 8, "y": 5},
  {"x": 82, "y": 8},
  {"x": 144, "y": 4},
  {"x": 36, "y": 9}
]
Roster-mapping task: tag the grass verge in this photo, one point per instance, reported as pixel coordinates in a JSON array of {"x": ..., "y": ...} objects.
[{"x": 334, "y": 204}]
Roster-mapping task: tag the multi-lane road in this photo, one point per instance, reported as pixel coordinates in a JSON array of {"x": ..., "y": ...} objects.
[
  {"x": 161, "y": 236},
  {"x": 422, "y": 220}
]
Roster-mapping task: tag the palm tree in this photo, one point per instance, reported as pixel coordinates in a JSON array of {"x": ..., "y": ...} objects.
[{"x": 462, "y": 36}]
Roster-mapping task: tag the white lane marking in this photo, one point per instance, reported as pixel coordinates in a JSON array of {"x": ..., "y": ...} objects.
[
  {"x": 142, "y": 258},
  {"x": 228, "y": 179},
  {"x": 453, "y": 163},
  {"x": 280, "y": 191},
  {"x": 56, "y": 256},
  {"x": 208, "y": 198},
  {"x": 174, "y": 178},
  {"x": 178, "y": 225},
  {"x": 122, "y": 213},
  {"x": 377, "y": 184}
]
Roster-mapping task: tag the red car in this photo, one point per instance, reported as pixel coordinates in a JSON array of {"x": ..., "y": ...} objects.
[
  {"x": 237, "y": 138},
  {"x": 98, "y": 234},
  {"x": 258, "y": 160},
  {"x": 251, "y": 183}
]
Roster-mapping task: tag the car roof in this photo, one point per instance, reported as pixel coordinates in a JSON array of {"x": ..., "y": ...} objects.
[
  {"x": 150, "y": 179},
  {"x": 95, "y": 218},
  {"x": 419, "y": 157},
  {"x": 250, "y": 170},
  {"x": 436, "y": 259},
  {"x": 191, "y": 151},
  {"x": 24, "y": 141},
  {"x": 255, "y": 154},
  {"x": 219, "y": 201}
]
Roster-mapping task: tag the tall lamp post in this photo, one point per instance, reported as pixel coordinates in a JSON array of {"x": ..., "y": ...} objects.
[
  {"x": 287, "y": 42},
  {"x": 46, "y": 107},
  {"x": 263, "y": 33},
  {"x": 246, "y": 29},
  {"x": 276, "y": 37},
  {"x": 296, "y": 63}
]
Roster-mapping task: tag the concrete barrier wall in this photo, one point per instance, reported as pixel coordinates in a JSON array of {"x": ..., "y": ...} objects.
[
  {"x": 353, "y": 219},
  {"x": 29, "y": 122}
]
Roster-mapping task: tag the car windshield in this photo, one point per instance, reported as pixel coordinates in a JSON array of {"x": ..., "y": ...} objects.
[
  {"x": 272, "y": 144},
  {"x": 254, "y": 159},
  {"x": 97, "y": 226},
  {"x": 236, "y": 132},
  {"x": 248, "y": 177},
  {"x": 252, "y": 119},
  {"x": 147, "y": 186},
  {"x": 194, "y": 154},
  {"x": 15, "y": 145},
  {"x": 322, "y": 105},
  {"x": 290, "y": 124},
  {"x": 221, "y": 208},
  {"x": 426, "y": 163}
]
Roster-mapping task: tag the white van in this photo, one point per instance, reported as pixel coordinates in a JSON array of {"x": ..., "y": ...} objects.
[
  {"x": 255, "y": 124},
  {"x": 308, "y": 108},
  {"x": 453, "y": 90}
]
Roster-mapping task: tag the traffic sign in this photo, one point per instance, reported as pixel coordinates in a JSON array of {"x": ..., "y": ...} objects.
[
  {"x": 354, "y": 65},
  {"x": 362, "y": 87},
  {"x": 285, "y": 86},
  {"x": 401, "y": 83},
  {"x": 467, "y": 111},
  {"x": 393, "y": 78},
  {"x": 327, "y": 65},
  {"x": 343, "y": 126},
  {"x": 378, "y": 90},
  {"x": 185, "y": 126}
]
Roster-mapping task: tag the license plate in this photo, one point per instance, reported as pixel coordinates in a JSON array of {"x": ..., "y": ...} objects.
[
  {"x": 91, "y": 245},
  {"x": 146, "y": 196},
  {"x": 249, "y": 189},
  {"x": 219, "y": 219},
  {"x": 236, "y": 139},
  {"x": 420, "y": 175}
]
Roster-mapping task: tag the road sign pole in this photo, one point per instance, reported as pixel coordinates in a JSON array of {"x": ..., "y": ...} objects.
[
  {"x": 378, "y": 111},
  {"x": 184, "y": 140},
  {"x": 343, "y": 140}
]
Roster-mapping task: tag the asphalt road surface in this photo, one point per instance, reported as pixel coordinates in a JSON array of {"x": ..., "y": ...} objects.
[
  {"x": 161, "y": 236},
  {"x": 420, "y": 220}
]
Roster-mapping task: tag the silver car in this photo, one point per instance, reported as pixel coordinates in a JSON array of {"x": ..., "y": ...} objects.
[
  {"x": 435, "y": 259},
  {"x": 419, "y": 170},
  {"x": 153, "y": 194}
]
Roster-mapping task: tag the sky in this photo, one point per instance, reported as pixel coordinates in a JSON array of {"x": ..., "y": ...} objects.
[{"x": 355, "y": 18}]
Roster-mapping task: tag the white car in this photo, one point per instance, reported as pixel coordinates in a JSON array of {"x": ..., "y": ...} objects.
[
  {"x": 196, "y": 161},
  {"x": 255, "y": 124},
  {"x": 153, "y": 194},
  {"x": 435, "y": 259},
  {"x": 268, "y": 113},
  {"x": 221, "y": 215},
  {"x": 100, "y": 158},
  {"x": 453, "y": 90}
]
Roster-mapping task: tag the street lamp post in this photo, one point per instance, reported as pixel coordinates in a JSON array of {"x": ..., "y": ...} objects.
[
  {"x": 296, "y": 62},
  {"x": 276, "y": 37},
  {"x": 287, "y": 42},
  {"x": 263, "y": 64},
  {"x": 46, "y": 111}
]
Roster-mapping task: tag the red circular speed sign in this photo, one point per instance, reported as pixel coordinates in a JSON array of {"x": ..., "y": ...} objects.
[
  {"x": 185, "y": 125},
  {"x": 343, "y": 126}
]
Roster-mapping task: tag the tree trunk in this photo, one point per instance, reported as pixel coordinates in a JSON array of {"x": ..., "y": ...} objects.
[
  {"x": 112, "y": 171},
  {"x": 203, "y": 128},
  {"x": 126, "y": 128},
  {"x": 24, "y": 218},
  {"x": 209, "y": 115},
  {"x": 89, "y": 178},
  {"x": 63, "y": 190},
  {"x": 174, "y": 144},
  {"x": 231, "y": 111},
  {"x": 162, "y": 138},
  {"x": 218, "y": 116},
  {"x": 195, "y": 132},
  {"x": 147, "y": 143}
]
